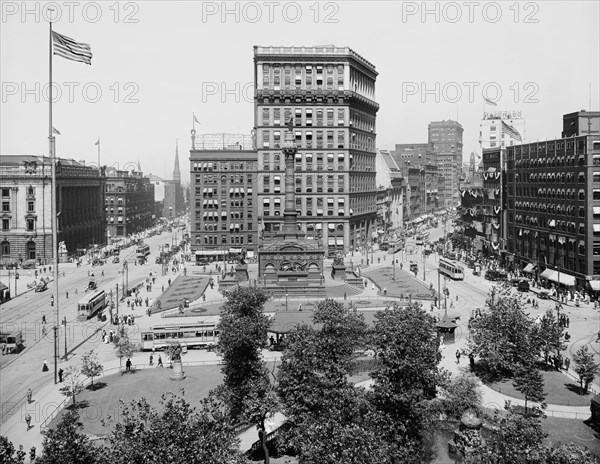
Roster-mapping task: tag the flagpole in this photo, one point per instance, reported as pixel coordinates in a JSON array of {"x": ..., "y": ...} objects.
[
  {"x": 194, "y": 121},
  {"x": 53, "y": 213},
  {"x": 98, "y": 154}
]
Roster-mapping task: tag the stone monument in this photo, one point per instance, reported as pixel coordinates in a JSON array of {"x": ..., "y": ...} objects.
[
  {"x": 177, "y": 373},
  {"x": 288, "y": 261},
  {"x": 467, "y": 437}
]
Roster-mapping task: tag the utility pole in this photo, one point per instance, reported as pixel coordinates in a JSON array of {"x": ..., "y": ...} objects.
[{"x": 65, "y": 324}]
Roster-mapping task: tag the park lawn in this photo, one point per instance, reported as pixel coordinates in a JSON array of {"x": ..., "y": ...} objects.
[
  {"x": 561, "y": 431},
  {"x": 98, "y": 405},
  {"x": 560, "y": 389}
]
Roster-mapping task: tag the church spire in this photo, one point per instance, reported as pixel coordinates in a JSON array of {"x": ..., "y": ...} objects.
[{"x": 176, "y": 172}]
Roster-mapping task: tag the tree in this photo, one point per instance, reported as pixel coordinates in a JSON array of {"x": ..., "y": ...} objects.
[
  {"x": 548, "y": 335},
  {"x": 460, "y": 394},
  {"x": 328, "y": 419},
  {"x": 530, "y": 382},
  {"x": 125, "y": 347},
  {"x": 503, "y": 339},
  {"x": 242, "y": 337},
  {"x": 518, "y": 440},
  {"x": 8, "y": 454},
  {"x": 585, "y": 367},
  {"x": 407, "y": 346},
  {"x": 72, "y": 384},
  {"x": 570, "y": 453},
  {"x": 90, "y": 366},
  {"x": 174, "y": 432},
  {"x": 66, "y": 444}
]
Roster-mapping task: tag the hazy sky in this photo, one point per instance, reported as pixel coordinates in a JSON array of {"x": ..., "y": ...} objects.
[{"x": 154, "y": 63}]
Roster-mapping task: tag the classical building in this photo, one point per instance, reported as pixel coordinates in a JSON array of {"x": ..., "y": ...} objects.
[
  {"x": 25, "y": 213},
  {"x": 447, "y": 140},
  {"x": 223, "y": 187},
  {"x": 129, "y": 203},
  {"x": 501, "y": 129},
  {"x": 553, "y": 209},
  {"x": 581, "y": 123},
  {"x": 329, "y": 94}
]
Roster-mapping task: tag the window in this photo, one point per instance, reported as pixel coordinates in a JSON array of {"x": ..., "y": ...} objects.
[
  {"x": 596, "y": 193},
  {"x": 5, "y": 193},
  {"x": 5, "y": 248},
  {"x": 30, "y": 225},
  {"x": 5, "y": 224}
]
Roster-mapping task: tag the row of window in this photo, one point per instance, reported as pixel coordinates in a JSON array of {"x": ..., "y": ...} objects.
[
  {"x": 548, "y": 148},
  {"x": 225, "y": 239},
  {"x": 276, "y": 75},
  {"x": 5, "y": 208},
  {"x": 29, "y": 224},
  {"x": 224, "y": 166},
  {"x": 224, "y": 215}
]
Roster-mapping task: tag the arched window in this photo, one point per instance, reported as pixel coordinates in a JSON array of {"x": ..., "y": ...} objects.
[
  {"x": 5, "y": 248},
  {"x": 30, "y": 250}
]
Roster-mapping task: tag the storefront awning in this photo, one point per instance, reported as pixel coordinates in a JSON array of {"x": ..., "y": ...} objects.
[
  {"x": 563, "y": 279},
  {"x": 547, "y": 273},
  {"x": 594, "y": 285},
  {"x": 235, "y": 250},
  {"x": 210, "y": 252},
  {"x": 529, "y": 268}
]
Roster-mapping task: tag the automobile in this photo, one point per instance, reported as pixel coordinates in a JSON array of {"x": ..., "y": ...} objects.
[
  {"x": 12, "y": 265},
  {"x": 41, "y": 286},
  {"x": 544, "y": 295},
  {"x": 29, "y": 264},
  {"x": 115, "y": 259},
  {"x": 92, "y": 285},
  {"x": 515, "y": 282},
  {"x": 98, "y": 262},
  {"x": 495, "y": 276},
  {"x": 414, "y": 267},
  {"x": 384, "y": 247},
  {"x": 523, "y": 286}
]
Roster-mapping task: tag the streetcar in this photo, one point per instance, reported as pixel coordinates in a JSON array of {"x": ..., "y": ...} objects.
[
  {"x": 451, "y": 269},
  {"x": 202, "y": 334},
  {"x": 142, "y": 251},
  {"x": 11, "y": 342},
  {"x": 91, "y": 304}
]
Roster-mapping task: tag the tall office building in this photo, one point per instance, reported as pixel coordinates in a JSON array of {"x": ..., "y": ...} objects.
[
  {"x": 581, "y": 123},
  {"x": 447, "y": 140},
  {"x": 327, "y": 93},
  {"x": 553, "y": 206},
  {"x": 500, "y": 129}
]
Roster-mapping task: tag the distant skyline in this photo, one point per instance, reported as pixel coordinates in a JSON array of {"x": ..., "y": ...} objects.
[{"x": 148, "y": 77}]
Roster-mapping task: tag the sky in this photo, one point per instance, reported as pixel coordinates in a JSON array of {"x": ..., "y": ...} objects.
[{"x": 156, "y": 63}]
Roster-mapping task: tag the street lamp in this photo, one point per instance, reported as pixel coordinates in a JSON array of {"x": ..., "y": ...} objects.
[
  {"x": 64, "y": 322},
  {"x": 286, "y": 300}
]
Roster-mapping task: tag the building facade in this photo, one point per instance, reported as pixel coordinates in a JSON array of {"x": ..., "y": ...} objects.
[
  {"x": 159, "y": 193},
  {"x": 390, "y": 194},
  {"x": 26, "y": 207},
  {"x": 446, "y": 138},
  {"x": 581, "y": 123},
  {"x": 328, "y": 95},
  {"x": 501, "y": 129},
  {"x": 553, "y": 208},
  {"x": 223, "y": 214},
  {"x": 129, "y": 203}
]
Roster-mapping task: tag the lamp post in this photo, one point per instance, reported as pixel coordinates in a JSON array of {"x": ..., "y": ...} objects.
[
  {"x": 64, "y": 322},
  {"x": 16, "y": 280},
  {"x": 286, "y": 299}
]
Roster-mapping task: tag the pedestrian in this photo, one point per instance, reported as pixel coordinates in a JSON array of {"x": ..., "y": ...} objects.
[
  {"x": 28, "y": 420},
  {"x": 128, "y": 365},
  {"x": 45, "y": 366},
  {"x": 384, "y": 291},
  {"x": 300, "y": 307},
  {"x": 67, "y": 295},
  {"x": 151, "y": 360},
  {"x": 457, "y": 356},
  {"x": 159, "y": 364},
  {"x": 472, "y": 362},
  {"x": 567, "y": 364},
  {"x": 568, "y": 321},
  {"x": 43, "y": 319},
  {"x": 29, "y": 395},
  {"x": 60, "y": 375},
  {"x": 102, "y": 272}
]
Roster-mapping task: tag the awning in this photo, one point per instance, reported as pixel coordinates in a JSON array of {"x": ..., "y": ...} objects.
[
  {"x": 529, "y": 268},
  {"x": 235, "y": 250},
  {"x": 547, "y": 273},
  {"x": 594, "y": 285},
  {"x": 563, "y": 279},
  {"x": 339, "y": 241},
  {"x": 210, "y": 252}
]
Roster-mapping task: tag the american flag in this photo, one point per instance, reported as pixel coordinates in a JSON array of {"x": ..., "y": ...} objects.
[{"x": 67, "y": 48}]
